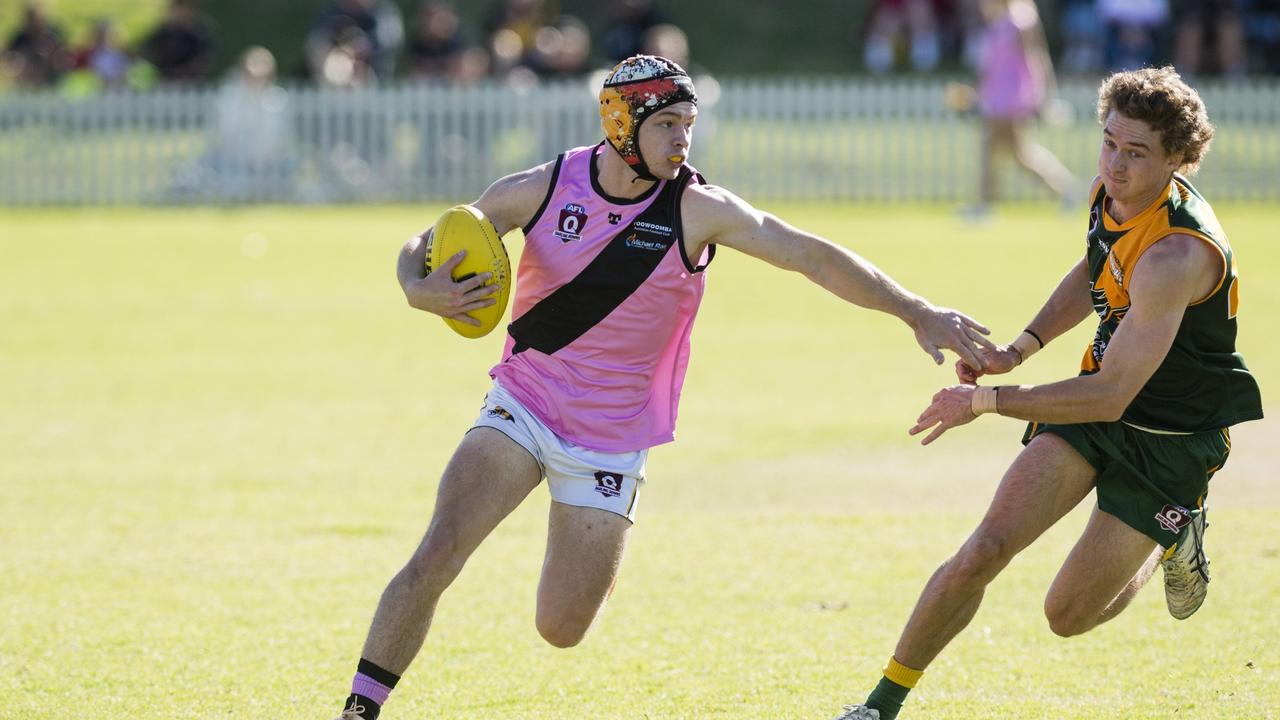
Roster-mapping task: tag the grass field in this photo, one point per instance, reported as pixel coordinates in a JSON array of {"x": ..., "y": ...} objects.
[{"x": 221, "y": 432}]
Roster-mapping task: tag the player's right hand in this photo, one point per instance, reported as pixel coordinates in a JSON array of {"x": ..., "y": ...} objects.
[
  {"x": 440, "y": 294},
  {"x": 996, "y": 361}
]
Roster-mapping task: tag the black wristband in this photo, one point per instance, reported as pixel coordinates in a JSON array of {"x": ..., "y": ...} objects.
[{"x": 1033, "y": 334}]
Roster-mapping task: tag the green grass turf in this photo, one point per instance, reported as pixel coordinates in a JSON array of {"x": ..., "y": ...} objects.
[{"x": 221, "y": 433}]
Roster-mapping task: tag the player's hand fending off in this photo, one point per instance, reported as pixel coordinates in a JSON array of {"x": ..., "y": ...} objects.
[
  {"x": 940, "y": 328},
  {"x": 996, "y": 361}
]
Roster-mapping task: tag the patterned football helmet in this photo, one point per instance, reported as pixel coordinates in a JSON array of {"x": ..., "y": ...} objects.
[{"x": 635, "y": 89}]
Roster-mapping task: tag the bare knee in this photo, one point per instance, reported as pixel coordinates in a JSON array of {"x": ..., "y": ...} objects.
[
  {"x": 436, "y": 562},
  {"x": 982, "y": 557},
  {"x": 1067, "y": 618},
  {"x": 563, "y": 627}
]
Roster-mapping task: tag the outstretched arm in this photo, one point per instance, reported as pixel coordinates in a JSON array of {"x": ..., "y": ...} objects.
[
  {"x": 1174, "y": 273},
  {"x": 715, "y": 215},
  {"x": 1066, "y": 307}
]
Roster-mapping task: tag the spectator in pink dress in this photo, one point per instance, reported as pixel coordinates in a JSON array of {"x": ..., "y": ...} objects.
[{"x": 1015, "y": 78}]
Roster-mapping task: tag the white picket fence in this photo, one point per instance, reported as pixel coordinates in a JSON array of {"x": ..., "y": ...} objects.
[{"x": 775, "y": 139}]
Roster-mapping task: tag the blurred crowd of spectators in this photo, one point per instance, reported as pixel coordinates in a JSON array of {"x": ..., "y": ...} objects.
[
  {"x": 253, "y": 147},
  {"x": 361, "y": 41},
  {"x": 353, "y": 43},
  {"x": 1200, "y": 37},
  {"x": 178, "y": 49}
]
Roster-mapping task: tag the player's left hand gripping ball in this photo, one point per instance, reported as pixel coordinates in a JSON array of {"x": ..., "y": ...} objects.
[{"x": 464, "y": 227}]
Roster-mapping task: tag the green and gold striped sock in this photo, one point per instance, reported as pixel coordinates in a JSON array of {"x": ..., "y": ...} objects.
[{"x": 893, "y": 688}]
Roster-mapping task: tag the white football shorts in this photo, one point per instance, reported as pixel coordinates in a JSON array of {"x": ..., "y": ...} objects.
[{"x": 575, "y": 475}]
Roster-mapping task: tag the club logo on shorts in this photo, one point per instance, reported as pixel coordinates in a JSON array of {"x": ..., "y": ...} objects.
[
  {"x": 608, "y": 484},
  {"x": 1173, "y": 518},
  {"x": 572, "y": 219},
  {"x": 500, "y": 412}
]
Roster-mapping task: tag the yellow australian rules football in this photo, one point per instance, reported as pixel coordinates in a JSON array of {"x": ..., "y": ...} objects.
[{"x": 464, "y": 227}]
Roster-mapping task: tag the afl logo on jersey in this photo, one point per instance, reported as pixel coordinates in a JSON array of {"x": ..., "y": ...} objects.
[
  {"x": 572, "y": 219},
  {"x": 1093, "y": 219}
]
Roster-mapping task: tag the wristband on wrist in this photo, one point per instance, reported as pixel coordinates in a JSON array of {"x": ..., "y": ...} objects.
[
  {"x": 1027, "y": 344},
  {"x": 1014, "y": 348},
  {"x": 984, "y": 400}
]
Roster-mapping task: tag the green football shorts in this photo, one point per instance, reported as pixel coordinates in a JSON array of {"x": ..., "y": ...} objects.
[{"x": 1155, "y": 483}]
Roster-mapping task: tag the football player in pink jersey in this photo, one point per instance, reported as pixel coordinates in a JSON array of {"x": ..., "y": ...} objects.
[{"x": 617, "y": 237}]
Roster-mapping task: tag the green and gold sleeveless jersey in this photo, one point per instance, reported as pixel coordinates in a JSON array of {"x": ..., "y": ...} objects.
[{"x": 1203, "y": 383}]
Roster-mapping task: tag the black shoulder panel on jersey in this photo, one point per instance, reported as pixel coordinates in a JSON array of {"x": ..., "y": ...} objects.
[
  {"x": 678, "y": 213},
  {"x": 551, "y": 190}
]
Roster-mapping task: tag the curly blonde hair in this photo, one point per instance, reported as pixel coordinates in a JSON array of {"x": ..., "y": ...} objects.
[{"x": 1159, "y": 97}]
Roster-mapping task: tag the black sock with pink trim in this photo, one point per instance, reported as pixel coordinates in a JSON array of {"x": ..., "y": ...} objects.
[{"x": 369, "y": 690}]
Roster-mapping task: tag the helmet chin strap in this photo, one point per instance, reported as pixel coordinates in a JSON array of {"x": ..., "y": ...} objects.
[{"x": 641, "y": 169}]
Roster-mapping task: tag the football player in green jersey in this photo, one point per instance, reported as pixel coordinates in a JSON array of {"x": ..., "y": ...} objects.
[{"x": 1144, "y": 424}]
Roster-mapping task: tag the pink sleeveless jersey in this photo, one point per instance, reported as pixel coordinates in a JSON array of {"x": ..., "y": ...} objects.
[
  {"x": 1010, "y": 83},
  {"x": 605, "y": 301}
]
